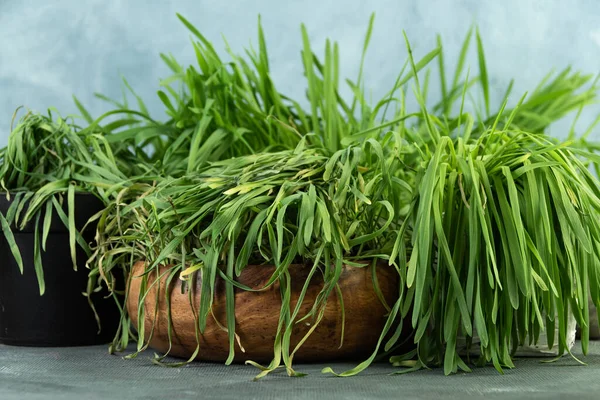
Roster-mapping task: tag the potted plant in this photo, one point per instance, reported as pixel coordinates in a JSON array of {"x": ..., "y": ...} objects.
[
  {"x": 526, "y": 208},
  {"x": 246, "y": 231},
  {"x": 55, "y": 178},
  {"x": 463, "y": 205}
]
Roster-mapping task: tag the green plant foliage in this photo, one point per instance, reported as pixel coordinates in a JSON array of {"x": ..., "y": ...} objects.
[
  {"x": 504, "y": 243},
  {"x": 221, "y": 109},
  {"x": 278, "y": 208},
  {"x": 47, "y": 160},
  {"x": 488, "y": 221},
  {"x": 218, "y": 109},
  {"x": 491, "y": 225}
]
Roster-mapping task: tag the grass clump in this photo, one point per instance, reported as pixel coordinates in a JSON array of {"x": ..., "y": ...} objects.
[{"x": 47, "y": 161}]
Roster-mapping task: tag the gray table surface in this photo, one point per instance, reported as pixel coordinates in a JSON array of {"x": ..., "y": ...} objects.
[{"x": 90, "y": 373}]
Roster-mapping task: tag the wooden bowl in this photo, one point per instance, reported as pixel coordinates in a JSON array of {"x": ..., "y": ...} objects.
[{"x": 257, "y": 315}]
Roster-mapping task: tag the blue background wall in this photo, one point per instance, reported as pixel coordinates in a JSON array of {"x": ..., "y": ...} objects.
[{"x": 50, "y": 50}]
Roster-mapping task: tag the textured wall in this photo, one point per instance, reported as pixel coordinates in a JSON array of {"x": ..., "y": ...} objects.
[{"x": 50, "y": 50}]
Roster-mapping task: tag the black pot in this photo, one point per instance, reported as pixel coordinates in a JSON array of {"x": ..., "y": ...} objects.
[{"x": 62, "y": 316}]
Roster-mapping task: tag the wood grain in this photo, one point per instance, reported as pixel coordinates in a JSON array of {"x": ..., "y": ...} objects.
[{"x": 257, "y": 315}]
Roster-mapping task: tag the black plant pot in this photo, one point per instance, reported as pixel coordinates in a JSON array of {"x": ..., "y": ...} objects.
[{"x": 62, "y": 316}]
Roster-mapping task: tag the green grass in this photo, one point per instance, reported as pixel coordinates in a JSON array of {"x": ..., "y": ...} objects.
[
  {"x": 271, "y": 208},
  {"x": 491, "y": 224},
  {"x": 47, "y": 160}
]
